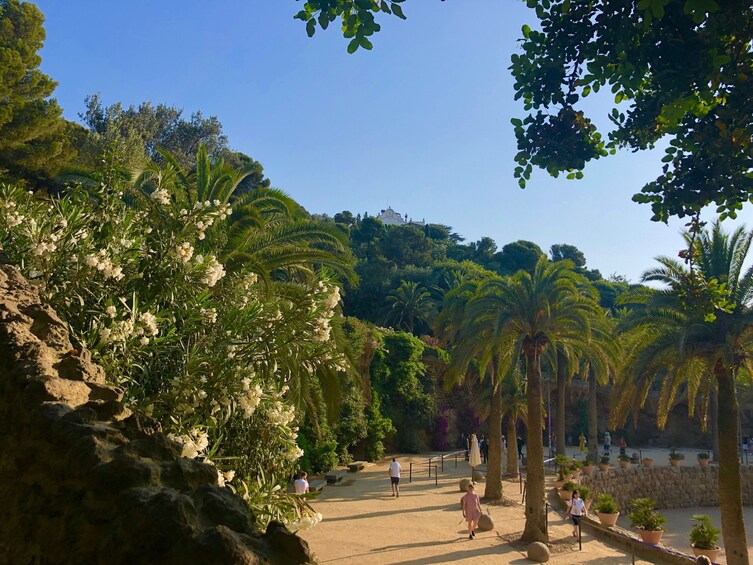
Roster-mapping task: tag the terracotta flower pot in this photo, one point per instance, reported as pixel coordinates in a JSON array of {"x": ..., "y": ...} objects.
[
  {"x": 566, "y": 495},
  {"x": 603, "y": 467},
  {"x": 608, "y": 519},
  {"x": 675, "y": 462},
  {"x": 648, "y": 462},
  {"x": 703, "y": 462},
  {"x": 712, "y": 554},
  {"x": 624, "y": 464},
  {"x": 651, "y": 536},
  {"x": 588, "y": 469}
]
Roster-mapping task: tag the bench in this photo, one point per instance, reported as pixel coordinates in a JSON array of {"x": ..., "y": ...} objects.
[
  {"x": 356, "y": 466},
  {"x": 317, "y": 485},
  {"x": 334, "y": 477}
]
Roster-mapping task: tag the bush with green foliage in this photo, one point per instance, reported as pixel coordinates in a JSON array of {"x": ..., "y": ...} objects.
[
  {"x": 644, "y": 516},
  {"x": 703, "y": 535},
  {"x": 605, "y": 504}
]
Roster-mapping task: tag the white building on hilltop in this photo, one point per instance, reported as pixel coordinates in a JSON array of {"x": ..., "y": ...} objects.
[{"x": 391, "y": 218}]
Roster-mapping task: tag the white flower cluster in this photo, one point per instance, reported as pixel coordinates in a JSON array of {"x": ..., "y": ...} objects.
[
  {"x": 209, "y": 315},
  {"x": 102, "y": 262},
  {"x": 12, "y": 217},
  {"x": 215, "y": 271},
  {"x": 306, "y": 522},
  {"x": 161, "y": 196},
  {"x": 280, "y": 414},
  {"x": 184, "y": 251},
  {"x": 45, "y": 248},
  {"x": 208, "y": 217},
  {"x": 322, "y": 328},
  {"x": 194, "y": 442},
  {"x": 250, "y": 397},
  {"x": 145, "y": 327}
]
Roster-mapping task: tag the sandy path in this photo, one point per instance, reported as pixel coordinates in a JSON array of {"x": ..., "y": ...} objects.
[{"x": 363, "y": 523}]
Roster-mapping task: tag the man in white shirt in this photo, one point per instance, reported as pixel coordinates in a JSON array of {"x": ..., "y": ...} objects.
[
  {"x": 301, "y": 484},
  {"x": 395, "y": 469}
]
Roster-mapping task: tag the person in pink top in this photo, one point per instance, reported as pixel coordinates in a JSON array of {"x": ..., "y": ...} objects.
[{"x": 471, "y": 510}]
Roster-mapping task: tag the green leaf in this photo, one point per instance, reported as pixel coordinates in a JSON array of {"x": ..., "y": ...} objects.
[
  {"x": 526, "y": 31},
  {"x": 311, "y": 27},
  {"x": 323, "y": 20},
  {"x": 353, "y": 45},
  {"x": 398, "y": 11},
  {"x": 517, "y": 122},
  {"x": 365, "y": 43}
]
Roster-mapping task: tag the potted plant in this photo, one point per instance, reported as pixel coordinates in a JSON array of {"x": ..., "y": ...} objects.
[
  {"x": 585, "y": 495},
  {"x": 604, "y": 463},
  {"x": 575, "y": 467},
  {"x": 624, "y": 461},
  {"x": 703, "y": 459},
  {"x": 647, "y": 520},
  {"x": 606, "y": 509},
  {"x": 563, "y": 470},
  {"x": 675, "y": 458},
  {"x": 704, "y": 537},
  {"x": 647, "y": 462},
  {"x": 567, "y": 490},
  {"x": 588, "y": 467}
]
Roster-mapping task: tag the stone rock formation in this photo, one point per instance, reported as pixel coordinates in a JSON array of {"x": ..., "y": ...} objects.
[
  {"x": 85, "y": 480},
  {"x": 538, "y": 552}
]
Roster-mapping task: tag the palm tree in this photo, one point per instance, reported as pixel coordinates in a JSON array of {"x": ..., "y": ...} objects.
[
  {"x": 697, "y": 333},
  {"x": 532, "y": 311},
  {"x": 515, "y": 408},
  {"x": 475, "y": 343},
  {"x": 410, "y": 303}
]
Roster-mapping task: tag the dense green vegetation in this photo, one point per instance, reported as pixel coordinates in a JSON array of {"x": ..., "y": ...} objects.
[{"x": 266, "y": 339}]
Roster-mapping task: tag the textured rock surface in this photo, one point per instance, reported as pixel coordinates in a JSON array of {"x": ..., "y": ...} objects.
[
  {"x": 671, "y": 487},
  {"x": 463, "y": 484},
  {"x": 538, "y": 552},
  {"x": 84, "y": 480}
]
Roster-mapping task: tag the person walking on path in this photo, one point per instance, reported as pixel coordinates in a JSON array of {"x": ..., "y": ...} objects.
[
  {"x": 394, "y": 471},
  {"x": 576, "y": 509},
  {"x": 471, "y": 510},
  {"x": 521, "y": 443},
  {"x": 623, "y": 446},
  {"x": 301, "y": 483},
  {"x": 607, "y": 443},
  {"x": 483, "y": 446},
  {"x": 582, "y": 443}
]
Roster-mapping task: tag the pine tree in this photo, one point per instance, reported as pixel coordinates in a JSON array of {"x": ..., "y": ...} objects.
[{"x": 33, "y": 142}]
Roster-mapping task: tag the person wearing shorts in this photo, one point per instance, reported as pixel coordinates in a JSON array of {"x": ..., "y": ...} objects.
[
  {"x": 395, "y": 469},
  {"x": 575, "y": 510}
]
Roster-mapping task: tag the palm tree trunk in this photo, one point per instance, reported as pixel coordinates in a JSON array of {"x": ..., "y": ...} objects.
[
  {"x": 494, "y": 469},
  {"x": 535, "y": 528},
  {"x": 561, "y": 397},
  {"x": 714, "y": 413},
  {"x": 730, "y": 485},
  {"x": 512, "y": 438},
  {"x": 593, "y": 419}
]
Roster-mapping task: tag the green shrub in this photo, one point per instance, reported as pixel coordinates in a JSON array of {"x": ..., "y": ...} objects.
[
  {"x": 704, "y": 535},
  {"x": 644, "y": 516},
  {"x": 606, "y": 504}
]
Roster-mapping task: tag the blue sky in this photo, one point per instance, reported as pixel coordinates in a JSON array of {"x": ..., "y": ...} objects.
[{"x": 421, "y": 123}]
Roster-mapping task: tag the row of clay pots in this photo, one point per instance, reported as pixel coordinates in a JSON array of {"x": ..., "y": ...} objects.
[
  {"x": 654, "y": 536},
  {"x": 647, "y": 462}
]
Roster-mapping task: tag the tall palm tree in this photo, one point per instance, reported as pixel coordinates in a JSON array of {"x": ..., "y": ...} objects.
[
  {"x": 697, "y": 332},
  {"x": 534, "y": 310},
  {"x": 475, "y": 342},
  {"x": 515, "y": 408}
]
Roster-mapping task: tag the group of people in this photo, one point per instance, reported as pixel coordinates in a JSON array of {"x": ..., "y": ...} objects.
[{"x": 464, "y": 443}]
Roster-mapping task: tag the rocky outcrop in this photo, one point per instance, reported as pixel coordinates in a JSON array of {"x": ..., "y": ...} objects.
[{"x": 85, "y": 480}]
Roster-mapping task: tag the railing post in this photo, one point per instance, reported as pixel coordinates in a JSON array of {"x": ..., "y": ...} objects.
[
  {"x": 430, "y": 467},
  {"x": 410, "y": 473},
  {"x": 436, "y": 476},
  {"x": 456, "y": 459},
  {"x": 546, "y": 519},
  {"x": 443, "y": 462}
]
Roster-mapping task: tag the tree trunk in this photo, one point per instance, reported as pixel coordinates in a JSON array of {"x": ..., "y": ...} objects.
[
  {"x": 535, "y": 528},
  {"x": 561, "y": 397},
  {"x": 512, "y": 447},
  {"x": 593, "y": 419},
  {"x": 730, "y": 485},
  {"x": 494, "y": 467},
  {"x": 714, "y": 417}
]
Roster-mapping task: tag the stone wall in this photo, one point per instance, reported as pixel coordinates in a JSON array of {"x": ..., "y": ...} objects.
[
  {"x": 84, "y": 480},
  {"x": 685, "y": 486}
]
